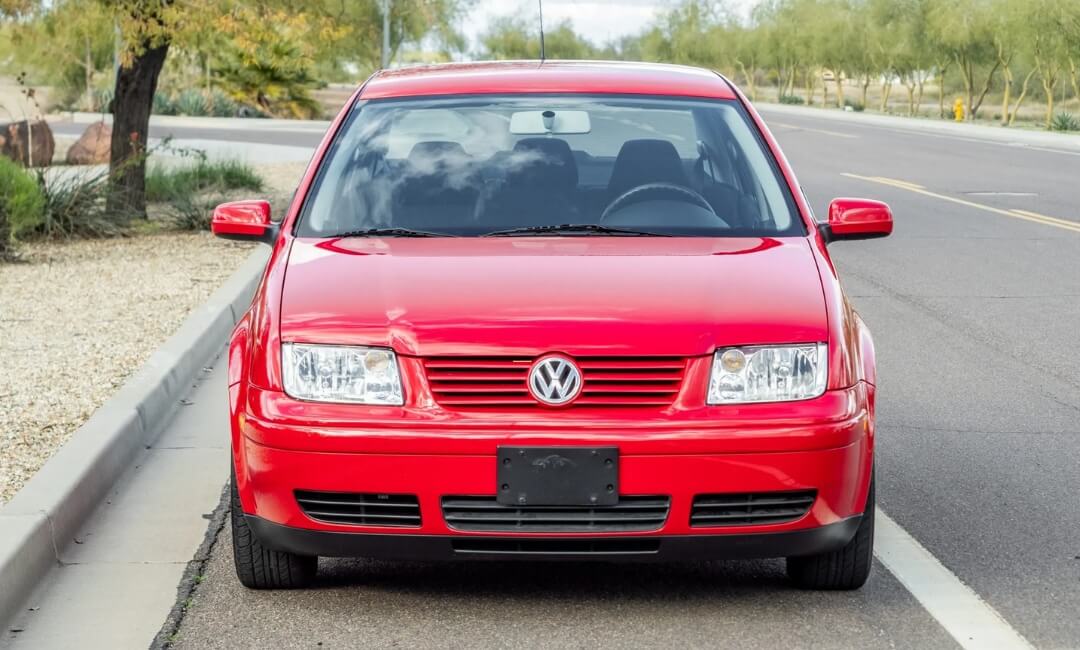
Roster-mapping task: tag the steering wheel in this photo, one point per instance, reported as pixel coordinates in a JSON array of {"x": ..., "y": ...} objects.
[{"x": 656, "y": 192}]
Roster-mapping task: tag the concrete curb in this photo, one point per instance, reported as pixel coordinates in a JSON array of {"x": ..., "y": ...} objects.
[
  {"x": 182, "y": 121},
  {"x": 45, "y": 514},
  {"x": 1001, "y": 135}
]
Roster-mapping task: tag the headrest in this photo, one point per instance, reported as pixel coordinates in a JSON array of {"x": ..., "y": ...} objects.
[
  {"x": 435, "y": 151},
  {"x": 645, "y": 161},
  {"x": 544, "y": 162}
]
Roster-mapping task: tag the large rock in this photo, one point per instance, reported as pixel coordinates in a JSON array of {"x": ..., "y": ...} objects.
[
  {"x": 92, "y": 148},
  {"x": 16, "y": 143}
]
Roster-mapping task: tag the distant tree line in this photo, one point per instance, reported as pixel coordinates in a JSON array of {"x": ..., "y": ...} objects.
[{"x": 1019, "y": 49}]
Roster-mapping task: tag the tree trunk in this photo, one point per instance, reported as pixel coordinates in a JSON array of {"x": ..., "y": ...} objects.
[
  {"x": 886, "y": 90},
  {"x": 941, "y": 93},
  {"x": 839, "y": 91},
  {"x": 985, "y": 89},
  {"x": 88, "y": 75},
  {"x": 1074, "y": 78},
  {"x": 132, "y": 103},
  {"x": 1007, "y": 74},
  {"x": 1020, "y": 99},
  {"x": 1049, "y": 89},
  {"x": 865, "y": 87},
  {"x": 749, "y": 80},
  {"x": 918, "y": 96}
]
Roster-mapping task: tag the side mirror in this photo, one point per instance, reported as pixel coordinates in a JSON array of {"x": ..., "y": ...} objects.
[
  {"x": 245, "y": 221},
  {"x": 857, "y": 219}
]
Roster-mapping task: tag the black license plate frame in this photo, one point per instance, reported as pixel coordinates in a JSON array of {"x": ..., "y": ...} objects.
[{"x": 557, "y": 476}]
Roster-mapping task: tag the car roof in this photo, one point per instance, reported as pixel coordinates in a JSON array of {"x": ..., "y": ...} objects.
[{"x": 513, "y": 77}]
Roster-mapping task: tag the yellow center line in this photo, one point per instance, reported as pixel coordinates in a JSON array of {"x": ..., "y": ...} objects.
[
  {"x": 785, "y": 125},
  {"x": 1024, "y": 215}
]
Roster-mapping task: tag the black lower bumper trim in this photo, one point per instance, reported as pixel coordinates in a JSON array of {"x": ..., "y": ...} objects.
[{"x": 648, "y": 548}]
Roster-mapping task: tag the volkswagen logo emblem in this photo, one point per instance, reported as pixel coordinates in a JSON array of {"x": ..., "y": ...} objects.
[{"x": 554, "y": 380}]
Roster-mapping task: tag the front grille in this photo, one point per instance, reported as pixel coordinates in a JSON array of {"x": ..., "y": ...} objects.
[
  {"x": 484, "y": 514},
  {"x": 360, "y": 509},
  {"x": 485, "y": 382},
  {"x": 556, "y": 547},
  {"x": 750, "y": 509}
]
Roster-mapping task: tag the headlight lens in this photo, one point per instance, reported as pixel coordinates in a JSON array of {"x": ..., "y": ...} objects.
[
  {"x": 327, "y": 373},
  {"x": 774, "y": 373}
]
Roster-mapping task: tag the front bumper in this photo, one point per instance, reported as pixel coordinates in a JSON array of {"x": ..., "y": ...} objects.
[
  {"x": 827, "y": 448},
  {"x": 656, "y": 548}
]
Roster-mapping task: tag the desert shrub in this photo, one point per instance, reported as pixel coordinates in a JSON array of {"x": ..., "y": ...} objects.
[
  {"x": 792, "y": 99},
  {"x": 163, "y": 105},
  {"x": 855, "y": 106},
  {"x": 75, "y": 204},
  {"x": 221, "y": 105},
  {"x": 190, "y": 192},
  {"x": 164, "y": 184},
  {"x": 103, "y": 99},
  {"x": 21, "y": 203},
  {"x": 1065, "y": 122},
  {"x": 193, "y": 103}
]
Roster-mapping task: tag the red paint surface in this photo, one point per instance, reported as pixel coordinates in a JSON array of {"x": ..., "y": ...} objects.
[{"x": 610, "y": 296}]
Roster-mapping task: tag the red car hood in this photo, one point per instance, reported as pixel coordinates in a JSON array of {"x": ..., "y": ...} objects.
[{"x": 577, "y": 295}]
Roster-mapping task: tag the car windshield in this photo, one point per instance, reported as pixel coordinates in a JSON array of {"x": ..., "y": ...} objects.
[{"x": 551, "y": 165}]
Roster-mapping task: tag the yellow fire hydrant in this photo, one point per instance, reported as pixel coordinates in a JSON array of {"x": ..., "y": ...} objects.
[{"x": 958, "y": 109}]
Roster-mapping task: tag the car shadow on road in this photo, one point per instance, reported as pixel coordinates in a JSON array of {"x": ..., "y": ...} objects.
[{"x": 545, "y": 580}]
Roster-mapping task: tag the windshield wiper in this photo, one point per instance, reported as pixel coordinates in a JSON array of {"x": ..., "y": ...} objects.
[
  {"x": 592, "y": 228},
  {"x": 388, "y": 232}
]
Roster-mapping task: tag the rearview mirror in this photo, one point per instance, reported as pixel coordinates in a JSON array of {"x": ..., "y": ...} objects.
[
  {"x": 550, "y": 123},
  {"x": 245, "y": 221},
  {"x": 857, "y": 219}
]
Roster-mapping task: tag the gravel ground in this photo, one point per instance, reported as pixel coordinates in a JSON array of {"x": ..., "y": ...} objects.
[{"x": 78, "y": 318}]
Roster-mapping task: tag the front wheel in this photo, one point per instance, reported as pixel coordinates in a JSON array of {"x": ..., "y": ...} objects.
[
  {"x": 258, "y": 567},
  {"x": 844, "y": 569}
]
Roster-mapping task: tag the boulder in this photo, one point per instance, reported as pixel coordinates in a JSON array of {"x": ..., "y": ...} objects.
[
  {"x": 92, "y": 148},
  {"x": 18, "y": 138}
]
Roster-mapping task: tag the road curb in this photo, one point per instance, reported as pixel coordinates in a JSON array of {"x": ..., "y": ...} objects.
[
  {"x": 184, "y": 121},
  {"x": 45, "y": 514},
  {"x": 996, "y": 134}
]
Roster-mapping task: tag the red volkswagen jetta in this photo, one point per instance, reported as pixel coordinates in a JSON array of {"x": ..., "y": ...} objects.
[{"x": 551, "y": 310}]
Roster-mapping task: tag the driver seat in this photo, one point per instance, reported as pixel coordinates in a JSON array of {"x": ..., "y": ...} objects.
[{"x": 645, "y": 161}]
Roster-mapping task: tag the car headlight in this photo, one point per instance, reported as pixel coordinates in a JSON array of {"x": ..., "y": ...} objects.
[
  {"x": 768, "y": 373},
  {"x": 328, "y": 373}
]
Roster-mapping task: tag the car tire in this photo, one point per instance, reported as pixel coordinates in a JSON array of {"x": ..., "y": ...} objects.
[
  {"x": 258, "y": 567},
  {"x": 844, "y": 569}
]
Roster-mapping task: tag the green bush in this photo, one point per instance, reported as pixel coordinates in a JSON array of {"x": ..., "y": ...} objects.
[
  {"x": 855, "y": 106},
  {"x": 21, "y": 203},
  {"x": 193, "y": 103},
  {"x": 163, "y": 105},
  {"x": 75, "y": 204},
  {"x": 1065, "y": 122},
  {"x": 190, "y": 192},
  {"x": 165, "y": 184},
  {"x": 221, "y": 105},
  {"x": 792, "y": 99}
]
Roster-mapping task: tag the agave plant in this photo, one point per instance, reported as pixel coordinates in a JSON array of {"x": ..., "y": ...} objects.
[{"x": 1065, "y": 122}]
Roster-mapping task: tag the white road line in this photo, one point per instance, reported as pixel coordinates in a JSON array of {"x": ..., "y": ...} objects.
[{"x": 969, "y": 619}]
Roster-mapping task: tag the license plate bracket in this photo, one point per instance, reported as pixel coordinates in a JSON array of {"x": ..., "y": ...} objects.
[{"x": 557, "y": 476}]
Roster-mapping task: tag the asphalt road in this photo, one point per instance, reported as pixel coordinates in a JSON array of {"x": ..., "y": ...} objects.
[{"x": 975, "y": 311}]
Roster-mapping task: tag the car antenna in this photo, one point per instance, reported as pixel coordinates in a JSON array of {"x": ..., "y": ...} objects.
[{"x": 541, "y": 4}]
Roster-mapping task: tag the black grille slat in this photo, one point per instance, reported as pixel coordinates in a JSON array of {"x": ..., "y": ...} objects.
[
  {"x": 556, "y": 547},
  {"x": 607, "y": 382},
  {"x": 750, "y": 509},
  {"x": 484, "y": 514},
  {"x": 402, "y": 510}
]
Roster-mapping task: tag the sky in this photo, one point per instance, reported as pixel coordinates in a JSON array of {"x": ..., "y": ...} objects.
[{"x": 599, "y": 21}]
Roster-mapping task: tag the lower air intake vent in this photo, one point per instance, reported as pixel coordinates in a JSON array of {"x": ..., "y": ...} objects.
[
  {"x": 750, "y": 509},
  {"x": 556, "y": 547},
  {"x": 360, "y": 509},
  {"x": 484, "y": 514}
]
